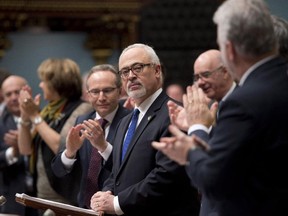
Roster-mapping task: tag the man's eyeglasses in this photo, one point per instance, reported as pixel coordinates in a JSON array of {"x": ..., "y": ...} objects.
[
  {"x": 206, "y": 74},
  {"x": 105, "y": 91},
  {"x": 135, "y": 68}
]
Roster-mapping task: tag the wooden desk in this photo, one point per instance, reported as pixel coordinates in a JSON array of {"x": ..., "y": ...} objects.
[
  {"x": 60, "y": 209},
  {"x": 8, "y": 215}
]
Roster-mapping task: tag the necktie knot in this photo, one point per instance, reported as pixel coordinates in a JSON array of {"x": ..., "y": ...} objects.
[
  {"x": 103, "y": 122},
  {"x": 134, "y": 119},
  {"x": 136, "y": 113}
]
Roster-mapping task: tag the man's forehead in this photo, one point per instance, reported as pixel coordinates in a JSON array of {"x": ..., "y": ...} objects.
[{"x": 132, "y": 56}]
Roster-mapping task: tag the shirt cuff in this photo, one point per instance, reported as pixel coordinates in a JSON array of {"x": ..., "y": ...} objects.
[
  {"x": 9, "y": 156},
  {"x": 117, "y": 208},
  {"x": 68, "y": 162},
  {"x": 106, "y": 153},
  {"x": 198, "y": 127}
]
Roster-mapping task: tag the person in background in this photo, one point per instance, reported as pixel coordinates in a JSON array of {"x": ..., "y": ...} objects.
[
  {"x": 104, "y": 88},
  {"x": 281, "y": 33},
  {"x": 126, "y": 101},
  {"x": 3, "y": 75},
  {"x": 61, "y": 84},
  {"x": 232, "y": 170},
  {"x": 84, "y": 96},
  {"x": 213, "y": 78},
  {"x": 175, "y": 91},
  {"x": 217, "y": 84},
  {"x": 12, "y": 164},
  {"x": 144, "y": 181}
]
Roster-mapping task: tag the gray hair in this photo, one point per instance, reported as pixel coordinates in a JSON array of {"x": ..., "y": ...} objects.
[
  {"x": 150, "y": 51},
  {"x": 248, "y": 25},
  {"x": 106, "y": 67}
]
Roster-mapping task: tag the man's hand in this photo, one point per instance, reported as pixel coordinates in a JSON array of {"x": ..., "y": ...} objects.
[
  {"x": 95, "y": 134},
  {"x": 11, "y": 139},
  {"x": 129, "y": 103},
  {"x": 103, "y": 202},
  {"x": 177, "y": 115},
  {"x": 74, "y": 140},
  {"x": 196, "y": 107},
  {"x": 178, "y": 146}
]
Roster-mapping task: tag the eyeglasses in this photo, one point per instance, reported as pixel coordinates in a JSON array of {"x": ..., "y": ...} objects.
[
  {"x": 105, "y": 91},
  {"x": 206, "y": 74},
  {"x": 9, "y": 94},
  {"x": 135, "y": 68}
]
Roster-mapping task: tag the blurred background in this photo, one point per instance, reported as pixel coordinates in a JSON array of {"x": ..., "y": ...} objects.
[{"x": 95, "y": 31}]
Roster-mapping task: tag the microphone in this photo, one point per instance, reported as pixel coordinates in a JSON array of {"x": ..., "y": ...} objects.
[{"x": 2, "y": 200}]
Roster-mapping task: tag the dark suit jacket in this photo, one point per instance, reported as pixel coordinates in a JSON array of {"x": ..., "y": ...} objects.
[
  {"x": 207, "y": 205},
  {"x": 147, "y": 182},
  {"x": 244, "y": 172},
  {"x": 12, "y": 178},
  {"x": 83, "y": 157}
]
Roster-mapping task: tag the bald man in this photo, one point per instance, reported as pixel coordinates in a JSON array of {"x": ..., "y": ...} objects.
[
  {"x": 3, "y": 75},
  {"x": 12, "y": 166},
  {"x": 212, "y": 77},
  {"x": 175, "y": 91}
]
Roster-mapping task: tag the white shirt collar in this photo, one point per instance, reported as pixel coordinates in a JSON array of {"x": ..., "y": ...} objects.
[
  {"x": 144, "y": 106},
  {"x": 108, "y": 117}
]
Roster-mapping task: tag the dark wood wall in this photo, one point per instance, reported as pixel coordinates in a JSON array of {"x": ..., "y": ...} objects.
[{"x": 179, "y": 30}]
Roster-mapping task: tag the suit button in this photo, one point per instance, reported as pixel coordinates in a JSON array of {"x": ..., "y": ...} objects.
[{"x": 117, "y": 183}]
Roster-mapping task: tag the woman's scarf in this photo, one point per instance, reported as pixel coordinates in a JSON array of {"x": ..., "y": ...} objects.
[
  {"x": 51, "y": 113},
  {"x": 53, "y": 110}
]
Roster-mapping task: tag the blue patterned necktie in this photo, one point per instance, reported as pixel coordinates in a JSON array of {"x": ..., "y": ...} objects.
[
  {"x": 130, "y": 132},
  {"x": 94, "y": 169}
]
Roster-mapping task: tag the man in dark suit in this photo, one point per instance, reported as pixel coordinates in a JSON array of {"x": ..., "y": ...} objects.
[
  {"x": 104, "y": 88},
  {"x": 242, "y": 169},
  {"x": 3, "y": 75},
  {"x": 12, "y": 165},
  {"x": 217, "y": 84},
  {"x": 144, "y": 181}
]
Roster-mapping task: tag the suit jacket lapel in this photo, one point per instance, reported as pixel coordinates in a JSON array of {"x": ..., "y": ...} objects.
[
  {"x": 147, "y": 118},
  {"x": 121, "y": 112}
]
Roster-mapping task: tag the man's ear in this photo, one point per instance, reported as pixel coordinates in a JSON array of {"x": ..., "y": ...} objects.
[{"x": 158, "y": 70}]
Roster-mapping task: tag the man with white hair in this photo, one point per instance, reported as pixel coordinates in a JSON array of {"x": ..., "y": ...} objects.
[{"x": 242, "y": 169}]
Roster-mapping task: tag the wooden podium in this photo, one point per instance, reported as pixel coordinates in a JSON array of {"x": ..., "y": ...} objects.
[{"x": 60, "y": 209}]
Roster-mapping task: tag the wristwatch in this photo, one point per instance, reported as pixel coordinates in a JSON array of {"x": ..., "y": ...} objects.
[
  {"x": 37, "y": 120},
  {"x": 24, "y": 123}
]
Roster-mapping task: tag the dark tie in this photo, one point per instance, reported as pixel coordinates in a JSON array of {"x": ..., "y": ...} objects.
[
  {"x": 217, "y": 116},
  {"x": 220, "y": 103},
  {"x": 93, "y": 170},
  {"x": 130, "y": 132}
]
